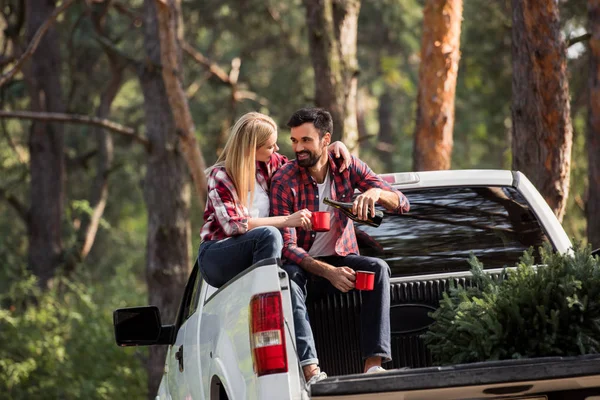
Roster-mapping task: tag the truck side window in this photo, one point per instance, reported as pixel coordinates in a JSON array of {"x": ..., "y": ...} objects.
[
  {"x": 445, "y": 225},
  {"x": 189, "y": 301},
  {"x": 195, "y": 296}
]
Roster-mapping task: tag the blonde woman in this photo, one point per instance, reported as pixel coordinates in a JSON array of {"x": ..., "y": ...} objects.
[{"x": 238, "y": 230}]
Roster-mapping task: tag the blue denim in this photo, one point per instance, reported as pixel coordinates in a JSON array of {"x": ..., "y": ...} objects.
[
  {"x": 374, "y": 317},
  {"x": 221, "y": 260}
]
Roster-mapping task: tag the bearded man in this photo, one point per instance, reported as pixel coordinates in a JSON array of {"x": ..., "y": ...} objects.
[{"x": 330, "y": 259}]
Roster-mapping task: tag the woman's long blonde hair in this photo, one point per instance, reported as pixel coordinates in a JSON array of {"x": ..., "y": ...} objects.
[{"x": 249, "y": 133}]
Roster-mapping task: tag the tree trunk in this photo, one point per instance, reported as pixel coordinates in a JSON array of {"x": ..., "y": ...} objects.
[
  {"x": 345, "y": 17},
  {"x": 593, "y": 127},
  {"x": 542, "y": 131},
  {"x": 99, "y": 190},
  {"x": 170, "y": 32},
  {"x": 385, "y": 138},
  {"x": 167, "y": 196},
  {"x": 361, "y": 123},
  {"x": 332, "y": 33},
  {"x": 440, "y": 53},
  {"x": 46, "y": 149}
]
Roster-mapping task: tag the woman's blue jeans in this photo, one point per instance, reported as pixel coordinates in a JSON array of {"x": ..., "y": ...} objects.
[
  {"x": 375, "y": 313},
  {"x": 221, "y": 260}
]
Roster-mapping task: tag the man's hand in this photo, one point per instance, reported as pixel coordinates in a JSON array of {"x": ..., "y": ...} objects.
[
  {"x": 365, "y": 203},
  {"x": 342, "y": 278}
]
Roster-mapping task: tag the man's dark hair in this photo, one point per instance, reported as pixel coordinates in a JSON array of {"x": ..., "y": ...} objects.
[{"x": 320, "y": 118}]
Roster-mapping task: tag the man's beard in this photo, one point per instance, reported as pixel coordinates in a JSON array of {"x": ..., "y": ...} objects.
[{"x": 311, "y": 161}]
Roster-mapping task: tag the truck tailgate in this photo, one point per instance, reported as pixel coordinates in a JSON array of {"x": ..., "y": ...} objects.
[{"x": 510, "y": 379}]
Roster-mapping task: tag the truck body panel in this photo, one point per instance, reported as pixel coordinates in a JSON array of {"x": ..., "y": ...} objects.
[{"x": 223, "y": 341}]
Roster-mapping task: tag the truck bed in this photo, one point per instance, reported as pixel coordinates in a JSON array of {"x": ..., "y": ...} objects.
[{"x": 335, "y": 322}]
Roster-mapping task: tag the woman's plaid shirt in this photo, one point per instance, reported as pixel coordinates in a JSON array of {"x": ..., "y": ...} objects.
[
  {"x": 293, "y": 189},
  {"x": 224, "y": 216}
]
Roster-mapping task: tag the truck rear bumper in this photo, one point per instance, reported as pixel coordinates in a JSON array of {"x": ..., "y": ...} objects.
[{"x": 510, "y": 379}]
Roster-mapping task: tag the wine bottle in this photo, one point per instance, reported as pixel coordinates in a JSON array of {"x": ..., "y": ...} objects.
[{"x": 346, "y": 208}]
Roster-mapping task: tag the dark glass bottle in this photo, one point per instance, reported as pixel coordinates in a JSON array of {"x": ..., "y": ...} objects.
[{"x": 346, "y": 208}]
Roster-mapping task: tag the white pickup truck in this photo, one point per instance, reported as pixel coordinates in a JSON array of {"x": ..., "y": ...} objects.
[{"x": 237, "y": 342}]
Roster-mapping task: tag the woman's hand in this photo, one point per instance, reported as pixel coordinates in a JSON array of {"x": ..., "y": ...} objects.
[
  {"x": 340, "y": 149},
  {"x": 299, "y": 219}
]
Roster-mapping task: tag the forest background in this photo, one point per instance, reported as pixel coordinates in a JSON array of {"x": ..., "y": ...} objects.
[{"x": 110, "y": 110}]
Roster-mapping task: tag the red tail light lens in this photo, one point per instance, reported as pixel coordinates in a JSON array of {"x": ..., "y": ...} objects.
[{"x": 267, "y": 337}]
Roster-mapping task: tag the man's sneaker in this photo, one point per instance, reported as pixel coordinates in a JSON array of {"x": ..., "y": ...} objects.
[
  {"x": 374, "y": 370},
  {"x": 316, "y": 378}
]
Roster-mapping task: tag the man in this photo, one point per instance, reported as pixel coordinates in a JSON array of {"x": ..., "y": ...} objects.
[{"x": 332, "y": 255}]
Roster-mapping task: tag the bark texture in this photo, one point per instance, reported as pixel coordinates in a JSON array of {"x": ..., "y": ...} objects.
[
  {"x": 46, "y": 148},
  {"x": 385, "y": 142},
  {"x": 167, "y": 196},
  {"x": 99, "y": 190},
  {"x": 345, "y": 17},
  {"x": 542, "y": 130},
  {"x": 170, "y": 32},
  {"x": 593, "y": 128},
  {"x": 440, "y": 54},
  {"x": 332, "y": 34}
]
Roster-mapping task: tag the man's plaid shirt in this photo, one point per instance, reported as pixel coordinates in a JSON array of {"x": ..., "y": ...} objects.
[
  {"x": 292, "y": 189},
  {"x": 224, "y": 216}
]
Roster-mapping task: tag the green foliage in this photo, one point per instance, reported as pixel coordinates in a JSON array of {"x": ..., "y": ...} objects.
[
  {"x": 60, "y": 345},
  {"x": 483, "y": 92},
  {"x": 549, "y": 310},
  {"x": 389, "y": 40},
  {"x": 574, "y": 221}
]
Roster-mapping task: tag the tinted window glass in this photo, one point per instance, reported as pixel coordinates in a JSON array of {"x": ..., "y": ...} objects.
[
  {"x": 445, "y": 225},
  {"x": 195, "y": 296},
  {"x": 188, "y": 301}
]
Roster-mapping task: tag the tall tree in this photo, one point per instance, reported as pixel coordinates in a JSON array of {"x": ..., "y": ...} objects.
[
  {"x": 332, "y": 31},
  {"x": 170, "y": 32},
  {"x": 46, "y": 147},
  {"x": 385, "y": 138},
  {"x": 542, "y": 132},
  {"x": 98, "y": 197},
  {"x": 167, "y": 195},
  {"x": 593, "y": 127},
  {"x": 440, "y": 53}
]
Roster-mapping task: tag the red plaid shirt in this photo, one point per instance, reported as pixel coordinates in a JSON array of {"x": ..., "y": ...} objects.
[
  {"x": 293, "y": 189},
  {"x": 224, "y": 216}
]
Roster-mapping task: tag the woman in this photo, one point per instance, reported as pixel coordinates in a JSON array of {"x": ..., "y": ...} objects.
[{"x": 238, "y": 231}]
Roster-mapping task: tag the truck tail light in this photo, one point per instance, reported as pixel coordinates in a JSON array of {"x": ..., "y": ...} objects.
[{"x": 267, "y": 337}]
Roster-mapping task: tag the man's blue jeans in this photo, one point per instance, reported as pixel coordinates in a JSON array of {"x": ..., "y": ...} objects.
[
  {"x": 374, "y": 316},
  {"x": 221, "y": 260}
]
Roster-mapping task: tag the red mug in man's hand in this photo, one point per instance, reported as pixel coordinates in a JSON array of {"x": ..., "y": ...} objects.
[
  {"x": 364, "y": 280},
  {"x": 320, "y": 221}
]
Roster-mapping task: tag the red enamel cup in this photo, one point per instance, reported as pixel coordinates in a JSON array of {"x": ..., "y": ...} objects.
[
  {"x": 364, "y": 280},
  {"x": 320, "y": 221}
]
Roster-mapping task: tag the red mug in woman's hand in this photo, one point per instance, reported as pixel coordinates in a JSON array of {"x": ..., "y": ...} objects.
[
  {"x": 320, "y": 221},
  {"x": 364, "y": 280}
]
